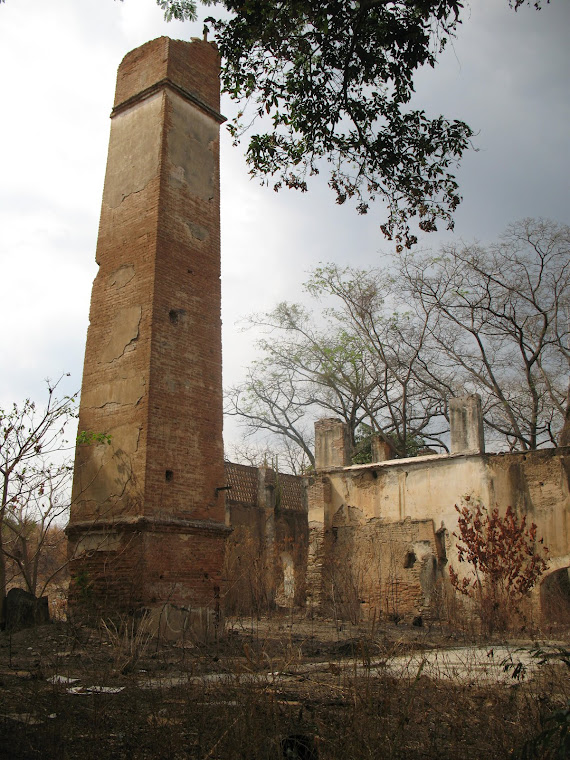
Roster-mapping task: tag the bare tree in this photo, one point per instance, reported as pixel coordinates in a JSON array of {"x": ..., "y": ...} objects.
[
  {"x": 403, "y": 399},
  {"x": 499, "y": 318},
  {"x": 353, "y": 360},
  {"x": 282, "y": 455},
  {"x": 34, "y": 540},
  {"x": 267, "y": 403},
  {"x": 564, "y": 437},
  {"x": 385, "y": 349},
  {"x": 34, "y": 479}
]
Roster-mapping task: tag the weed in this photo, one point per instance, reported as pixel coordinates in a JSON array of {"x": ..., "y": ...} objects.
[{"x": 129, "y": 638}]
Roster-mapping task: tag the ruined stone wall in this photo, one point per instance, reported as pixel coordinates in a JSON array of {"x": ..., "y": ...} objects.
[
  {"x": 266, "y": 556},
  {"x": 380, "y": 568},
  {"x": 245, "y": 570},
  {"x": 537, "y": 484},
  {"x": 382, "y": 534}
]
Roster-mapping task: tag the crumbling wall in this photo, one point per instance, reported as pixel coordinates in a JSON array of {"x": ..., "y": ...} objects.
[
  {"x": 266, "y": 557},
  {"x": 382, "y": 534},
  {"x": 381, "y": 568},
  {"x": 536, "y": 484},
  {"x": 318, "y": 495}
]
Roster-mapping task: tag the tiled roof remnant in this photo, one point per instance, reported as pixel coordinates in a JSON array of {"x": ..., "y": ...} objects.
[
  {"x": 292, "y": 493},
  {"x": 243, "y": 481},
  {"x": 244, "y": 484}
]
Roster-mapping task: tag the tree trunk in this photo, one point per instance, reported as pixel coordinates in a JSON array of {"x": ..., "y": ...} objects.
[
  {"x": 2, "y": 583},
  {"x": 564, "y": 437}
]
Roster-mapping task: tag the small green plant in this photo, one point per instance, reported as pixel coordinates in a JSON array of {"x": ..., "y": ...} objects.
[
  {"x": 84, "y": 585},
  {"x": 90, "y": 437}
]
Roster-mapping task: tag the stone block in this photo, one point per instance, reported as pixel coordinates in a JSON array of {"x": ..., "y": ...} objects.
[
  {"x": 332, "y": 444},
  {"x": 24, "y": 610},
  {"x": 466, "y": 423}
]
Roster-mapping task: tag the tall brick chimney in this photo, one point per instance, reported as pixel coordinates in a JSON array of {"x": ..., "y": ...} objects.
[{"x": 147, "y": 525}]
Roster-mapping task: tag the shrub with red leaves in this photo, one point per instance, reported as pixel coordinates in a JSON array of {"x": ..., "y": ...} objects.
[{"x": 506, "y": 560}]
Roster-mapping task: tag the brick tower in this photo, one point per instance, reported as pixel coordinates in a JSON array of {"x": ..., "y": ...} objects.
[{"x": 147, "y": 525}]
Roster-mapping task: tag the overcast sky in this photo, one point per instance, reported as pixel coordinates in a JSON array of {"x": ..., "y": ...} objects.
[{"x": 507, "y": 75}]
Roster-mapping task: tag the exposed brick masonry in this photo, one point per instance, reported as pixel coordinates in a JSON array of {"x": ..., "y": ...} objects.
[{"x": 152, "y": 374}]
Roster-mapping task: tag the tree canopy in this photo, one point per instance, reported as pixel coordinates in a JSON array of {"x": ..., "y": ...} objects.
[
  {"x": 385, "y": 349},
  {"x": 329, "y": 84}
]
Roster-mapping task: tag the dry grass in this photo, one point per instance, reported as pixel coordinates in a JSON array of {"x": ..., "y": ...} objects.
[{"x": 272, "y": 687}]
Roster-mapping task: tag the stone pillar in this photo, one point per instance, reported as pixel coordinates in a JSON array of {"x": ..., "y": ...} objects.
[
  {"x": 466, "y": 423},
  {"x": 332, "y": 444},
  {"x": 319, "y": 496},
  {"x": 266, "y": 503},
  {"x": 147, "y": 522},
  {"x": 382, "y": 451}
]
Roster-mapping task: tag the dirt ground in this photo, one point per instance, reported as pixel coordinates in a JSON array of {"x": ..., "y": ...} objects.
[{"x": 284, "y": 686}]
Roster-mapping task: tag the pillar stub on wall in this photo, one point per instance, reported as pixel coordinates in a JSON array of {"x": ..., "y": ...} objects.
[
  {"x": 332, "y": 444},
  {"x": 466, "y": 423},
  {"x": 382, "y": 450}
]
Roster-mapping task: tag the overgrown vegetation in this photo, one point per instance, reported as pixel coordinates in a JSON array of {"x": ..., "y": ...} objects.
[
  {"x": 552, "y": 742},
  {"x": 505, "y": 559},
  {"x": 279, "y": 683},
  {"x": 35, "y": 482}
]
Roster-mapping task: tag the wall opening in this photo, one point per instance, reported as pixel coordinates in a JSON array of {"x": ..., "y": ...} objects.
[
  {"x": 288, "y": 577},
  {"x": 555, "y": 596},
  {"x": 440, "y": 546}
]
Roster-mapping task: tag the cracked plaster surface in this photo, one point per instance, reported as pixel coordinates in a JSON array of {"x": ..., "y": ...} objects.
[
  {"x": 121, "y": 391},
  {"x": 121, "y": 276},
  {"x": 134, "y": 150},
  {"x": 191, "y": 157},
  {"x": 107, "y": 470},
  {"x": 124, "y": 330}
]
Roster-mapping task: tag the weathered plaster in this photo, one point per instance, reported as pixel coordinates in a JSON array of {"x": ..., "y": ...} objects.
[
  {"x": 104, "y": 471},
  {"x": 97, "y": 541},
  {"x": 134, "y": 150},
  {"x": 189, "y": 143},
  {"x": 122, "y": 276},
  {"x": 121, "y": 391},
  {"x": 123, "y": 331},
  {"x": 198, "y": 232}
]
